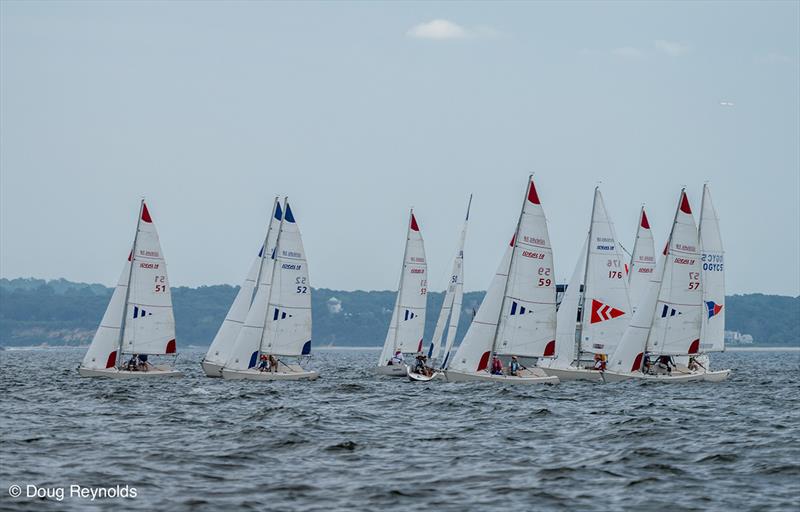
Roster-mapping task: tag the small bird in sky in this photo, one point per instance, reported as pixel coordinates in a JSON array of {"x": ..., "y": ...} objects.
[{"x": 726, "y": 103}]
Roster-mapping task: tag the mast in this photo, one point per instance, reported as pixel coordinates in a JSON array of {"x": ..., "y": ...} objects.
[
  {"x": 582, "y": 305},
  {"x": 510, "y": 264},
  {"x": 272, "y": 278},
  {"x": 400, "y": 286},
  {"x": 128, "y": 287}
]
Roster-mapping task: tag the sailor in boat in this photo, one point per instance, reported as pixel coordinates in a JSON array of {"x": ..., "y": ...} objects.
[
  {"x": 273, "y": 363},
  {"x": 421, "y": 366},
  {"x": 694, "y": 365},
  {"x": 647, "y": 365},
  {"x": 514, "y": 367},
  {"x": 396, "y": 359},
  {"x": 133, "y": 363},
  {"x": 497, "y": 366},
  {"x": 263, "y": 364},
  {"x": 664, "y": 364},
  {"x": 599, "y": 362},
  {"x": 143, "y": 364}
]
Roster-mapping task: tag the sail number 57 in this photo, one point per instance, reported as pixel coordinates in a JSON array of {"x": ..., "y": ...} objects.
[{"x": 694, "y": 280}]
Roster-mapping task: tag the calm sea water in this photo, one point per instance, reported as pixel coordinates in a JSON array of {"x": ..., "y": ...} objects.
[{"x": 351, "y": 441}]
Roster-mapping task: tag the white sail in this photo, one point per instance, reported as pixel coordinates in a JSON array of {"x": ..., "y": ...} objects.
[
  {"x": 712, "y": 338},
  {"x": 149, "y": 325},
  {"x": 606, "y": 303},
  {"x": 244, "y": 353},
  {"x": 408, "y": 317},
  {"x": 528, "y": 319},
  {"x": 677, "y": 319},
  {"x": 567, "y": 317},
  {"x": 222, "y": 344},
  {"x": 643, "y": 261},
  {"x": 104, "y": 351},
  {"x": 451, "y": 305},
  {"x": 288, "y": 331},
  {"x": 628, "y": 355},
  {"x": 476, "y": 347}
]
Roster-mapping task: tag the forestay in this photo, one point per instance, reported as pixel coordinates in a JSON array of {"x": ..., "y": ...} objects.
[
  {"x": 288, "y": 331},
  {"x": 222, "y": 346},
  {"x": 643, "y": 260},
  {"x": 606, "y": 304},
  {"x": 712, "y": 338},
  {"x": 149, "y": 325},
  {"x": 677, "y": 317},
  {"x": 408, "y": 316},
  {"x": 244, "y": 354}
]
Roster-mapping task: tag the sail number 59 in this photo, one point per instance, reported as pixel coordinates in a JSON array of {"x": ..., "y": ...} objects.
[{"x": 545, "y": 281}]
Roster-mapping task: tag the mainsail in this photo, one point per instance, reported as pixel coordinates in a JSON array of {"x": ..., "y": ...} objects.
[
  {"x": 712, "y": 335},
  {"x": 643, "y": 260},
  {"x": 288, "y": 331},
  {"x": 223, "y": 343},
  {"x": 677, "y": 317},
  {"x": 606, "y": 304},
  {"x": 528, "y": 319},
  {"x": 408, "y": 316},
  {"x": 139, "y": 316},
  {"x": 149, "y": 325},
  {"x": 451, "y": 305}
]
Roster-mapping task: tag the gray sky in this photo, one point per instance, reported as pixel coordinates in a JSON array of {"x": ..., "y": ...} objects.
[{"x": 358, "y": 111}]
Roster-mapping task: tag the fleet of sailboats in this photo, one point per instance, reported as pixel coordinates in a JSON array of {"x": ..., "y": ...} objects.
[{"x": 648, "y": 318}]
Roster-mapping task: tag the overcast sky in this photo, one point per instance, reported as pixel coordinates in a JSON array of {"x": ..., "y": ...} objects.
[{"x": 359, "y": 111}]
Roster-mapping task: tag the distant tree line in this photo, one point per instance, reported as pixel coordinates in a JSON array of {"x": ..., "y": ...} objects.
[{"x": 34, "y": 311}]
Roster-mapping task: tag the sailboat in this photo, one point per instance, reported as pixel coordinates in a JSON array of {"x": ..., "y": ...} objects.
[
  {"x": 668, "y": 321},
  {"x": 712, "y": 332},
  {"x": 222, "y": 346},
  {"x": 407, "y": 325},
  {"x": 450, "y": 312},
  {"x": 518, "y": 314},
  {"x": 603, "y": 301},
  {"x": 278, "y": 324},
  {"x": 643, "y": 260},
  {"x": 138, "y": 321}
]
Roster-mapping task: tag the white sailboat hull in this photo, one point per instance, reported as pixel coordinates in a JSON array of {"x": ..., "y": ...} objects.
[
  {"x": 674, "y": 378},
  {"x": 394, "y": 370},
  {"x": 294, "y": 372},
  {"x": 573, "y": 373},
  {"x": 716, "y": 376},
  {"x": 212, "y": 369},
  {"x": 416, "y": 377},
  {"x": 114, "y": 373},
  {"x": 535, "y": 376}
]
